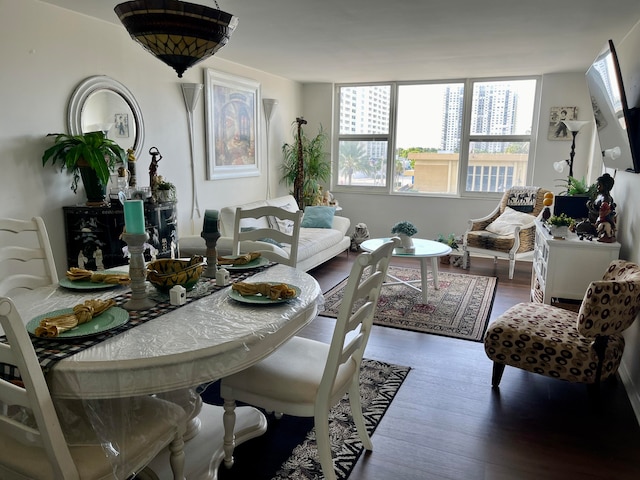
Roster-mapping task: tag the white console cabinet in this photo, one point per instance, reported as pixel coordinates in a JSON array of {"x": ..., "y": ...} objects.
[{"x": 563, "y": 268}]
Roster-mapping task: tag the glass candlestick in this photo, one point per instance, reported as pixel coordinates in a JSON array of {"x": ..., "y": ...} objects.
[{"x": 137, "y": 272}]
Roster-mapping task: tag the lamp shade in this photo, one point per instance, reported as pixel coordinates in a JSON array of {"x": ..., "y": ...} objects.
[
  {"x": 559, "y": 166},
  {"x": 575, "y": 125},
  {"x": 179, "y": 34},
  {"x": 269, "y": 104}
]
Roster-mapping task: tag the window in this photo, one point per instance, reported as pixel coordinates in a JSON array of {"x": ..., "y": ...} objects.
[
  {"x": 364, "y": 136},
  {"x": 451, "y": 137}
]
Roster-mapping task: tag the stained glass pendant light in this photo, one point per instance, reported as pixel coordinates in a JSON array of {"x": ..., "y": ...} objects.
[{"x": 178, "y": 33}]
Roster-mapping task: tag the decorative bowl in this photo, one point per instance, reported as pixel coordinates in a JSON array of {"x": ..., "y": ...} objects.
[{"x": 166, "y": 273}]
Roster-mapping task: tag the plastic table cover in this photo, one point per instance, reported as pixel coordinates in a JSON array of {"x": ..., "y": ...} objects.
[{"x": 170, "y": 355}]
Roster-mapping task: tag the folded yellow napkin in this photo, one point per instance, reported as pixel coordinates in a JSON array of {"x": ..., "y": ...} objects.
[
  {"x": 82, "y": 313},
  {"x": 239, "y": 260},
  {"x": 75, "y": 274},
  {"x": 271, "y": 290}
]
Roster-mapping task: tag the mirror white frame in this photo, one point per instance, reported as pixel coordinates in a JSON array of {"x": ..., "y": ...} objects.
[{"x": 92, "y": 85}]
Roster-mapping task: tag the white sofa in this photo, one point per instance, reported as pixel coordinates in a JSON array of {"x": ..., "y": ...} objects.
[{"x": 316, "y": 245}]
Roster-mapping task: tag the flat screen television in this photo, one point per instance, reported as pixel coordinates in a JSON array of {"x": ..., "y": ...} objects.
[{"x": 616, "y": 123}]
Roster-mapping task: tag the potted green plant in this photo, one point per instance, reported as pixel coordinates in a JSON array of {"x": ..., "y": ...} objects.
[
  {"x": 316, "y": 163},
  {"x": 559, "y": 225},
  {"x": 90, "y": 156},
  {"x": 450, "y": 240},
  {"x": 164, "y": 191},
  {"x": 405, "y": 230}
]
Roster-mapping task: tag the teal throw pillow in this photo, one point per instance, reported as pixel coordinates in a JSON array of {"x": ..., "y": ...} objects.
[{"x": 318, "y": 217}]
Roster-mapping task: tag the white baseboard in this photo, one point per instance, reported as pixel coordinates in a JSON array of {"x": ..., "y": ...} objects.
[{"x": 633, "y": 391}]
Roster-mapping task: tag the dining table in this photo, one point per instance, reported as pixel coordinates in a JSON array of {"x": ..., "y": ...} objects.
[{"x": 173, "y": 352}]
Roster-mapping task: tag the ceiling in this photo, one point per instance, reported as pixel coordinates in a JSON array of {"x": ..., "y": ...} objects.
[{"x": 374, "y": 40}]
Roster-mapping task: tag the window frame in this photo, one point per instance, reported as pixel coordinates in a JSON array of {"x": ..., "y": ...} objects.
[{"x": 466, "y": 138}]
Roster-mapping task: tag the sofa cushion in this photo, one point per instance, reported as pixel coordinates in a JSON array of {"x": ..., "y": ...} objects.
[
  {"x": 507, "y": 222},
  {"x": 316, "y": 240},
  {"x": 283, "y": 225},
  {"x": 318, "y": 217}
]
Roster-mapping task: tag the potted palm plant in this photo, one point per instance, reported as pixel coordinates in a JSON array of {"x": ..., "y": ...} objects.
[
  {"x": 90, "y": 156},
  {"x": 316, "y": 164}
]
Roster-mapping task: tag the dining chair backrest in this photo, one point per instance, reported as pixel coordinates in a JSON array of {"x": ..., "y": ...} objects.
[
  {"x": 35, "y": 396},
  {"x": 32, "y": 441},
  {"x": 272, "y": 225},
  {"x": 305, "y": 377},
  {"x": 355, "y": 318},
  {"x": 26, "y": 258}
]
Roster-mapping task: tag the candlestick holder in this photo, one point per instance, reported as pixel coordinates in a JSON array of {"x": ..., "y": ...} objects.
[
  {"x": 211, "y": 239},
  {"x": 137, "y": 272}
]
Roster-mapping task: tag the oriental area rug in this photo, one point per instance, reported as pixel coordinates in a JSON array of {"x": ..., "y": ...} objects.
[
  {"x": 288, "y": 448},
  {"x": 460, "y": 308}
]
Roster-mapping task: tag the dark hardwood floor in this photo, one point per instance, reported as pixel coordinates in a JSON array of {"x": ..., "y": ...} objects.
[{"x": 448, "y": 423}]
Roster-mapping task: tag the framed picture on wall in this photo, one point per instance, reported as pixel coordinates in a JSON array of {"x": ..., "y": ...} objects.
[
  {"x": 557, "y": 129},
  {"x": 232, "y": 135},
  {"x": 122, "y": 125}
]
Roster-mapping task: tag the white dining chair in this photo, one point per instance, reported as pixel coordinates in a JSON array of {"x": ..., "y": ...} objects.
[
  {"x": 270, "y": 225},
  {"x": 306, "y": 378},
  {"x": 32, "y": 443},
  {"x": 26, "y": 258}
]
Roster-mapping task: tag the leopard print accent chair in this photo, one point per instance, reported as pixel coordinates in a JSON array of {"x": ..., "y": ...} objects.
[{"x": 584, "y": 347}]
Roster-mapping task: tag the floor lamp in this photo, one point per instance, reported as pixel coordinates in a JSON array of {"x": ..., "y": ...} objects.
[
  {"x": 269, "y": 105},
  {"x": 574, "y": 126},
  {"x": 191, "y": 93}
]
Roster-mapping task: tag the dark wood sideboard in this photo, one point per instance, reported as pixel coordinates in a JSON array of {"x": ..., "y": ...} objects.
[{"x": 93, "y": 234}]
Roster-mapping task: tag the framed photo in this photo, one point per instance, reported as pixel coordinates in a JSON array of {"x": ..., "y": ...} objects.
[
  {"x": 122, "y": 125},
  {"x": 232, "y": 113},
  {"x": 557, "y": 129}
]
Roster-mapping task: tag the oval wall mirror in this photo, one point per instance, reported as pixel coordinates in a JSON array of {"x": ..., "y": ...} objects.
[{"x": 102, "y": 103}]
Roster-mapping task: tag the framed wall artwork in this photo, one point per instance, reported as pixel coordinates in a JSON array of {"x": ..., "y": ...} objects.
[
  {"x": 232, "y": 106},
  {"x": 122, "y": 125},
  {"x": 557, "y": 129}
]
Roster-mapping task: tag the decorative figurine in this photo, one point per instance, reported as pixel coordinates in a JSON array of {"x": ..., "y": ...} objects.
[
  {"x": 590, "y": 226},
  {"x": 131, "y": 166},
  {"x": 604, "y": 184},
  {"x": 156, "y": 156},
  {"x": 359, "y": 235},
  {"x": 606, "y": 224}
]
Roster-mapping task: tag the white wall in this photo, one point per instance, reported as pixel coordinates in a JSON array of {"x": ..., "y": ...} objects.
[{"x": 626, "y": 193}]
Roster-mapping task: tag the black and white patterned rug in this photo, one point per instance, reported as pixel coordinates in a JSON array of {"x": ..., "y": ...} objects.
[{"x": 288, "y": 449}]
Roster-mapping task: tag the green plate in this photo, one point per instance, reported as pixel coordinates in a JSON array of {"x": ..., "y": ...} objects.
[
  {"x": 85, "y": 285},
  {"x": 258, "y": 262},
  {"x": 112, "y": 318},
  {"x": 259, "y": 299}
]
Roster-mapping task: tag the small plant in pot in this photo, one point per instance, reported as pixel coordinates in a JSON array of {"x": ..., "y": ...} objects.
[
  {"x": 559, "y": 225},
  {"x": 405, "y": 230},
  {"x": 90, "y": 156},
  {"x": 451, "y": 241},
  {"x": 164, "y": 191}
]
